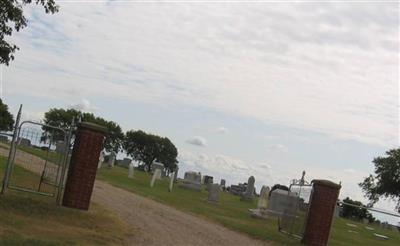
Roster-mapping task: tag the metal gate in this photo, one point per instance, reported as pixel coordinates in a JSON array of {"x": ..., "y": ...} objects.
[
  {"x": 293, "y": 219},
  {"x": 37, "y": 159}
]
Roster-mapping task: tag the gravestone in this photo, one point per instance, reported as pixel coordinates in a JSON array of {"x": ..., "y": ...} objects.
[
  {"x": 261, "y": 211},
  {"x": 222, "y": 184},
  {"x": 157, "y": 165},
  {"x": 337, "y": 211},
  {"x": 263, "y": 199},
  {"x": 131, "y": 170},
  {"x": 365, "y": 221},
  {"x": 101, "y": 160},
  {"x": 192, "y": 180},
  {"x": 176, "y": 175},
  {"x": 156, "y": 175},
  {"x": 213, "y": 193},
  {"x": 237, "y": 190},
  {"x": 208, "y": 180},
  {"x": 248, "y": 195},
  {"x": 111, "y": 160},
  {"x": 282, "y": 201},
  {"x": 171, "y": 182}
]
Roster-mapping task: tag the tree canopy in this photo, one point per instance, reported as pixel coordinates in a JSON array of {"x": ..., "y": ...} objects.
[
  {"x": 62, "y": 118},
  {"x": 386, "y": 181},
  {"x": 349, "y": 211},
  {"x": 6, "y": 118},
  {"x": 12, "y": 18},
  {"x": 146, "y": 148}
]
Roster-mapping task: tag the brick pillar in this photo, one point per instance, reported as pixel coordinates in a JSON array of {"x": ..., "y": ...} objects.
[
  {"x": 320, "y": 214},
  {"x": 84, "y": 160}
]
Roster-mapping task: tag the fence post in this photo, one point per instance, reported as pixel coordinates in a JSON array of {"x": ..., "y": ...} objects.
[
  {"x": 320, "y": 214},
  {"x": 89, "y": 142}
]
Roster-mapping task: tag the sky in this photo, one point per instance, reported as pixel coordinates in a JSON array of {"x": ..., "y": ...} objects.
[{"x": 265, "y": 89}]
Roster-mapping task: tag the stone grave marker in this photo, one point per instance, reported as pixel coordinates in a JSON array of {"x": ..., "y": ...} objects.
[
  {"x": 131, "y": 170},
  {"x": 282, "y": 201},
  {"x": 213, "y": 193},
  {"x": 191, "y": 180},
  {"x": 263, "y": 200},
  {"x": 248, "y": 195},
  {"x": 101, "y": 160},
  {"x": 111, "y": 160},
  {"x": 156, "y": 175},
  {"x": 171, "y": 182}
]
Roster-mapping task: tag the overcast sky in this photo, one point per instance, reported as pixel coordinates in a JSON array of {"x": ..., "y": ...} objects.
[{"x": 261, "y": 89}]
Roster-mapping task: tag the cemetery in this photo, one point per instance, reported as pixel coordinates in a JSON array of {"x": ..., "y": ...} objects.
[{"x": 278, "y": 214}]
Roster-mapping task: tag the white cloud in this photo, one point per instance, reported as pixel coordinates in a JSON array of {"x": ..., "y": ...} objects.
[
  {"x": 222, "y": 130},
  {"x": 197, "y": 140},
  {"x": 277, "y": 147},
  {"x": 84, "y": 105},
  {"x": 334, "y": 70}
]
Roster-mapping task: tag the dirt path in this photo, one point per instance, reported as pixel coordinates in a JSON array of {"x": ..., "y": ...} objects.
[
  {"x": 158, "y": 224},
  {"x": 155, "y": 223}
]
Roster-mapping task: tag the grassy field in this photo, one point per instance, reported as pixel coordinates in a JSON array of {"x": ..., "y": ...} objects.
[
  {"x": 28, "y": 219},
  {"x": 233, "y": 213}
]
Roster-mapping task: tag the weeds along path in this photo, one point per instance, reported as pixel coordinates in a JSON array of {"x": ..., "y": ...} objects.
[{"x": 154, "y": 223}]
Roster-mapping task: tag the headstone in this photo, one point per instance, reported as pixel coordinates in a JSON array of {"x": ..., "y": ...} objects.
[
  {"x": 176, "y": 174},
  {"x": 157, "y": 165},
  {"x": 237, "y": 189},
  {"x": 156, "y": 175},
  {"x": 131, "y": 170},
  {"x": 282, "y": 201},
  {"x": 213, "y": 193},
  {"x": 383, "y": 237},
  {"x": 101, "y": 160},
  {"x": 111, "y": 159},
  {"x": 365, "y": 221},
  {"x": 248, "y": 195},
  {"x": 337, "y": 211},
  {"x": 223, "y": 182},
  {"x": 261, "y": 211},
  {"x": 24, "y": 142},
  {"x": 171, "y": 182},
  {"x": 192, "y": 180},
  {"x": 263, "y": 199},
  {"x": 208, "y": 180}
]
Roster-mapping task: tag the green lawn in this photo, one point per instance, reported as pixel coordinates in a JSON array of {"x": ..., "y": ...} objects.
[
  {"x": 233, "y": 213},
  {"x": 28, "y": 219}
]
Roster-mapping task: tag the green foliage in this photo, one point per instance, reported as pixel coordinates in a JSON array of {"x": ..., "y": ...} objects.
[
  {"x": 145, "y": 148},
  {"x": 12, "y": 18},
  {"x": 6, "y": 118},
  {"x": 386, "y": 182},
  {"x": 354, "y": 212},
  {"x": 62, "y": 118}
]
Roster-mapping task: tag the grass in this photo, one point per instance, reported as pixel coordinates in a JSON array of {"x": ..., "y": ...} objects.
[
  {"x": 233, "y": 213},
  {"x": 29, "y": 219}
]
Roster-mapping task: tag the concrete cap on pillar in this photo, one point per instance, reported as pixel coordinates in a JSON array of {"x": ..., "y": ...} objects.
[
  {"x": 327, "y": 183},
  {"x": 93, "y": 127}
]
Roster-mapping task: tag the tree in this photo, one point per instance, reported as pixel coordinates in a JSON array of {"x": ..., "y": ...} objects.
[
  {"x": 12, "y": 18},
  {"x": 6, "y": 118},
  {"x": 146, "y": 148},
  {"x": 386, "y": 182},
  {"x": 62, "y": 118},
  {"x": 349, "y": 211}
]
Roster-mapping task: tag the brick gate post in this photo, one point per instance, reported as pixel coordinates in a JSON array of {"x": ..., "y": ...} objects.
[
  {"x": 88, "y": 144},
  {"x": 320, "y": 214}
]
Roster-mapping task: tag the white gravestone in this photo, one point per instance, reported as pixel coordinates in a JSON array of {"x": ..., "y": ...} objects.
[
  {"x": 171, "y": 181},
  {"x": 261, "y": 211},
  {"x": 111, "y": 159},
  {"x": 156, "y": 175},
  {"x": 263, "y": 200},
  {"x": 213, "y": 193},
  {"x": 131, "y": 170}
]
